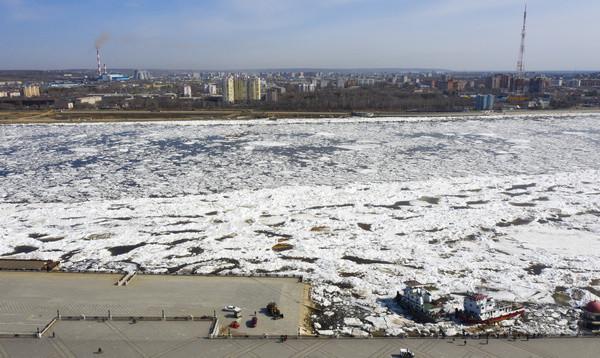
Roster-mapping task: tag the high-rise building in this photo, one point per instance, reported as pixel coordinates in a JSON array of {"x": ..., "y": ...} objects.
[
  {"x": 187, "y": 91},
  {"x": 240, "y": 86},
  {"x": 227, "y": 90},
  {"x": 538, "y": 84},
  {"x": 210, "y": 89},
  {"x": 501, "y": 80},
  {"x": 31, "y": 91},
  {"x": 306, "y": 87},
  {"x": 254, "y": 89},
  {"x": 484, "y": 102},
  {"x": 247, "y": 88}
]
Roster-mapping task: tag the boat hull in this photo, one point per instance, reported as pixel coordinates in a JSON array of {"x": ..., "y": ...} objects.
[{"x": 476, "y": 320}]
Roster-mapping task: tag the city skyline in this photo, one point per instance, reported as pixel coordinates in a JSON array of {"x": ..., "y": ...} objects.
[{"x": 233, "y": 35}]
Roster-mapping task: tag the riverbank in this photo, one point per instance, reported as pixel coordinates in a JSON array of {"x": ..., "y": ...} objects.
[{"x": 86, "y": 116}]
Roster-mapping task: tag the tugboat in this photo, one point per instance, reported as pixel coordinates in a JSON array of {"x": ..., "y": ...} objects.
[
  {"x": 479, "y": 308},
  {"x": 417, "y": 300}
]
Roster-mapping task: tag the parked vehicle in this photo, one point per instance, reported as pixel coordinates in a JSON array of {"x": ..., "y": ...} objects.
[
  {"x": 274, "y": 311},
  {"x": 272, "y": 308},
  {"x": 253, "y": 322},
  {"x": 405, "y": 353},
  {"x": 232, "y": 309}
]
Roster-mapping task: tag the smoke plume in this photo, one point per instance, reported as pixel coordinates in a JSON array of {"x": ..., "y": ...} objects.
[{"x": 100, "y": 40}]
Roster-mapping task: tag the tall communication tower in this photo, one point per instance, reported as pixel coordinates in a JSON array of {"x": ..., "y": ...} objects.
[{"x": 522, "y": 49}]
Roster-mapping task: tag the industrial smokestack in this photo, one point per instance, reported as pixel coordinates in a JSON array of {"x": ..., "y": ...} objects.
[
  {"x": 105, "y": 69},
  {"x": 99, "y": 41},
  {"x": 99, "y": 69}
]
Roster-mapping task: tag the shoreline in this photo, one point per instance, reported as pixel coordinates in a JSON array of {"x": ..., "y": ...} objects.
[{"x": 108, "y": 116}]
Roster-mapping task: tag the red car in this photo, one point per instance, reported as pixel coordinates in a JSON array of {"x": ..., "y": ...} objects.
[{"x": 253, "y": 322}]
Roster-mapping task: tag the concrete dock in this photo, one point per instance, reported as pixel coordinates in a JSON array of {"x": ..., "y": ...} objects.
[{"x": 30, "y": 300}]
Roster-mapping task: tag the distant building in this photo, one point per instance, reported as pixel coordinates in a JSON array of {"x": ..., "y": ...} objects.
[
  {"x": 272, "y": 95},
  {"x": 484, "y": 102},
  {"x": 63, "y": 105},
  {"x": 141, "y": 75},
  {"x": 306, "y": 87},
  {"x": 247, "y": 89},
  {"x": 187, "y": 91},
  {"x": 499, "y": 81},
  {"x": 113, "y": 77},
  {"x": 590, "y": 82},
  {"x": 92, "y": 100},
  {"x": 254, "y": 89},
  {"x": 279, "y": 89},
  {"x": 227, "y": 90},
  {"x": 240, "y": 86},
  {"x": 519, "y": 84},
  {"x": 448, "y": 85},
  {"x": 31, "y": 91},
  {"x": 428, "y": 83},
  {"x": 537, "y": 103},
  {"x": 210, "y": 89},
  {"x": 538, "y": 84}
]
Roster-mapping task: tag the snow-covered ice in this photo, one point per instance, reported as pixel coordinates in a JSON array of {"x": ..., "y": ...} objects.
[{"x": 507, "y": 205}]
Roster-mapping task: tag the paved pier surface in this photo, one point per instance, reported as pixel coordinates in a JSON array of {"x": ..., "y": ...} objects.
[
  {"x": 186, "y": 339},
  {"x": 30, "y": 300}
]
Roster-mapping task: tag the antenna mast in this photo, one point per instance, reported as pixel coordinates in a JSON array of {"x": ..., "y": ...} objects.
[{"x": 522, "y": 49}]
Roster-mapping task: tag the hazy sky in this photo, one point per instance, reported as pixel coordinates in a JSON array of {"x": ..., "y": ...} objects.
[{"x": 247, "y": 34}]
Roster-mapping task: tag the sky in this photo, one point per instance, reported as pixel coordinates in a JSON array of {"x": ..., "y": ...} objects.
[{"x": 469, "y": 35}]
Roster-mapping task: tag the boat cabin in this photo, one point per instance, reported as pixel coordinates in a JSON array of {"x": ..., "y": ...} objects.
[{"x": 485, "y": 307}]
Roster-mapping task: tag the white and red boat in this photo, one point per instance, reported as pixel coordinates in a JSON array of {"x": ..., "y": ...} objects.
[{"x": 479, "y": 308}]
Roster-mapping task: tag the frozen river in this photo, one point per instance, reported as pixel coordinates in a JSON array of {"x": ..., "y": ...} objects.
[
  {"x": 66, "y": 163},
  {"x": 507, "y": 205}
]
